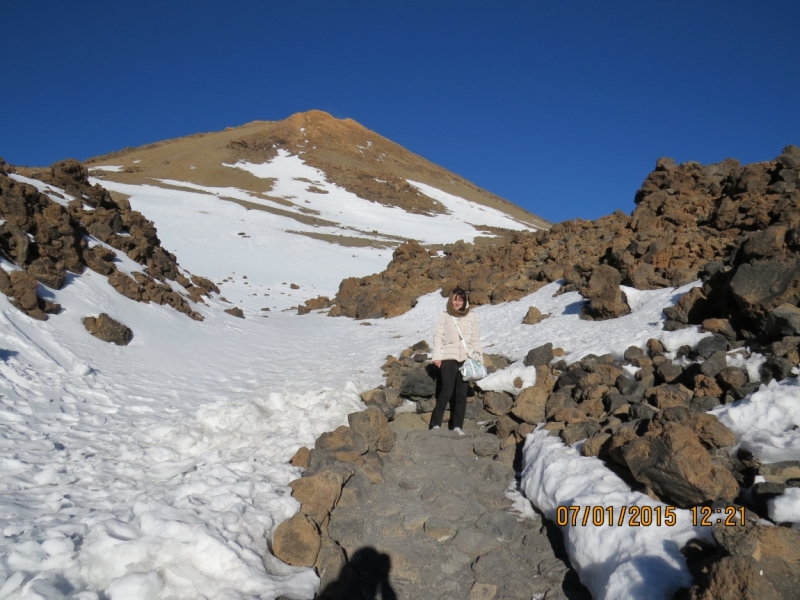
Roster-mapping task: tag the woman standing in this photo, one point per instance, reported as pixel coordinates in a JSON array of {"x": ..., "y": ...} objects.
[{"x": 456, "y": 328}]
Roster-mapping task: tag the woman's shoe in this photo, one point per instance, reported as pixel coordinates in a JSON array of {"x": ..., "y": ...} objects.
[{"x": 459, "y": 431}]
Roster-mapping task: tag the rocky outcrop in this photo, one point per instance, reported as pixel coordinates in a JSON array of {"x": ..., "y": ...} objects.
[
  {"x": 21, "y": 289},
  {"x": 690, "y": 221},
  {"x": 750, "y": 561},
  {"x": 337, "y": 456},
  {"x": 47, "y": 240}
]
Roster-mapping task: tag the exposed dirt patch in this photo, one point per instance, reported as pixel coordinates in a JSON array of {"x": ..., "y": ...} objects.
[{"x": 346, "y": 240}]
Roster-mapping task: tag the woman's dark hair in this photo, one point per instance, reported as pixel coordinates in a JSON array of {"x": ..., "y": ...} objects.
[{"x": 459, "y": 293}]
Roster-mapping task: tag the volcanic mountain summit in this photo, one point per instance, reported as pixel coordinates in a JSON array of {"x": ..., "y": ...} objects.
[{"x": 334, "y": 155}]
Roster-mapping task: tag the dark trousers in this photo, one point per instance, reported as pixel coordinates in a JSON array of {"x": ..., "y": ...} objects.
[{"x": 455, "y": 388}]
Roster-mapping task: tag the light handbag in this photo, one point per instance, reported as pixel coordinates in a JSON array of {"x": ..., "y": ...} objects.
[{"x": 473, "y": 368}]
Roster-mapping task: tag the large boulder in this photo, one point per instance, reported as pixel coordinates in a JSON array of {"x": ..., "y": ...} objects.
[
  {"x": 107, "y": 329},
  {"x": 416, "y": 380},
  {"x": 530, "y": 405},
  {"x": 785, "y": 320},
  {"x": 762, "y": 285},
  {"x": 297, "y": 541},
  {"x": 606, "y": 300},
  {"x": 711, "y": 432},
  {"x": 676, "y": 466}
]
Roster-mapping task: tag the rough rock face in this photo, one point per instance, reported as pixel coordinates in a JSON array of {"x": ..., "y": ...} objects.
[
  {"x": 108, "y": 329},
  {"x": 690, "y": 221},
  {"x": 678, "y": 468},
  {"x": 46, "y": 240},
  {"x": 297, "y": 541},
  {"x": 750, "y": 562},
  {"x": 606, "y": 300},
  {"x": 21, "y": 288}
]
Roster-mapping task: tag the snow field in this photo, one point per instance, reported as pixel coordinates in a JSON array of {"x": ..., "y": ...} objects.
[
  {"x": 344, "y": 207},
  {"x": 162, "y": 466},
  {"x": 160, "y": 469},
  {"x": 767, "y": 423}
]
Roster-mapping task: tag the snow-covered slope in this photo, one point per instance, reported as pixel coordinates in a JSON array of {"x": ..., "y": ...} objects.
[{"x": 160, "y": 469}]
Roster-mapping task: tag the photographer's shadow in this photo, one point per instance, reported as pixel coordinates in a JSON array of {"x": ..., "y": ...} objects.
[{"x": 365, "y": 576}]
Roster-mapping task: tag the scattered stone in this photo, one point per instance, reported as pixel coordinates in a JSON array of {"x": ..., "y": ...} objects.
[
  {"x": 235, "y": 311},
  {"x": 597, "y": 445},
  {"x": 785, "y": 319},
  {"x": 534, "y": 316},
  {"x": 667, "y": 396},
  {"x": 440, "y": 529},
  {"x": 542, "y": 355},
  {"x": 720, "y": 326},
  {"x": 655, "y": 347},
  {"x": 780, "y": 472},
  {"x": 709, "y": 345},
  {"x": 668, "y": 372},
  {"x": 107, "y": 329},
  {"x": 731, "y": 377},
  {"x": 777, "y": 368},
  {"x": 342, "y": 439},
  {"x": 576, "y": 432},
  {"x": 633, "y": 352},
  {"x": 714, "y": 364}
]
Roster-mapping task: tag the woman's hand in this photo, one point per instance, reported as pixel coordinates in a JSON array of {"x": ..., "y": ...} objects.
[{"x": 438, "y": 364}]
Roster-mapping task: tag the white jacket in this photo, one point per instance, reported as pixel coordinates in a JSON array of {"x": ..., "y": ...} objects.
[{"x": 446, "y": 343}]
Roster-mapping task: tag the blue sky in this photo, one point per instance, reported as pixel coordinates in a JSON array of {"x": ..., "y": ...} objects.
[{"x": 560, "y": 107}]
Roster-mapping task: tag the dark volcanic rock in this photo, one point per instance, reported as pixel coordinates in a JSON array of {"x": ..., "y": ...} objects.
[
  {"x": 542, "y": 355},
  {"x": 709, "y": 345},
  {"x": 417, "y": 381},
  {"x": 785, "y": 320}
]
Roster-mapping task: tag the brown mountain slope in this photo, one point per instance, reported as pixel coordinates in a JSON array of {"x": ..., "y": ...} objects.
[{"x": 351, "y": 155}]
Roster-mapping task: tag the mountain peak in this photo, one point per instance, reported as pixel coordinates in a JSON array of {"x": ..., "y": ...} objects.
[{"x": 351, "y": 156}]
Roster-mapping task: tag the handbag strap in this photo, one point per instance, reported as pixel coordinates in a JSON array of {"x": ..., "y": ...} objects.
[{"x": 461, "y": 337}]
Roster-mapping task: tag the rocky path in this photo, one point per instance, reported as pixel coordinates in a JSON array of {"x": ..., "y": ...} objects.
[{"x": 441, "y": 527}]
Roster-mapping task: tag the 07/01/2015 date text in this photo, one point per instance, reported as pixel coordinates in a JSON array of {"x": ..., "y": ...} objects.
[{"x": 645, "y": 516}]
